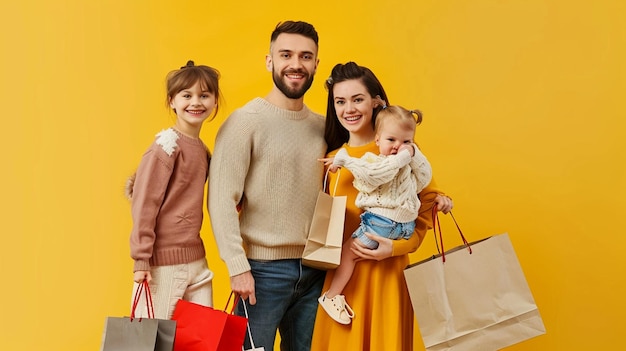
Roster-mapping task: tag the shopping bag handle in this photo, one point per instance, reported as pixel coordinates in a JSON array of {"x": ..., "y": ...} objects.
[
  {"x": 142, "y": 287},
  {"x": 232, "y": 310},
  {"x": 437, "y": 226},
  {"x": 336, "y": 183},
  {"x": 245, "y": 310}
]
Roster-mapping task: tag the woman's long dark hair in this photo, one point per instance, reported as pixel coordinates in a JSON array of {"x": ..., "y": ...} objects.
[{"x": 335, "y": 134}]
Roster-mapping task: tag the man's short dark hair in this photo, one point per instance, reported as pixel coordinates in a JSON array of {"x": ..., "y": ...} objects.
[{"x": 295, "y": 27}]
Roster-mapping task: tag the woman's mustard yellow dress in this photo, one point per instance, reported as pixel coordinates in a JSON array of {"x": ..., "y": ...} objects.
[{"x": 377, "y": 291}]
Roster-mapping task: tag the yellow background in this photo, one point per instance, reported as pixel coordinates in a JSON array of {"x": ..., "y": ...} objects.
[{"x": 524, "y": 125}]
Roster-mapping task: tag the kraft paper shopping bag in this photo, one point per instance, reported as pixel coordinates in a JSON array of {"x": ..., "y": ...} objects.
[
  {"x": 473, "y": 300},
  {"x": 323, "y": 246}
]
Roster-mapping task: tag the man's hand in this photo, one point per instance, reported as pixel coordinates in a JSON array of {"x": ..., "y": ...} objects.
[{"x": 243, "y": 285}]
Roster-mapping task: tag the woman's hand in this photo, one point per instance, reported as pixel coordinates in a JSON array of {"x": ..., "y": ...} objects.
[
  {"x": 444, "y": 203},
  {"x": 384, "y": 250}
]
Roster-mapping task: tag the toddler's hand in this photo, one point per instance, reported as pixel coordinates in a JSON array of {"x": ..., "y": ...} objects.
[
  {"x": 407, "y": 147},
  {"x": 333, "y": 168},
  {"x": 328, "y": 162}
]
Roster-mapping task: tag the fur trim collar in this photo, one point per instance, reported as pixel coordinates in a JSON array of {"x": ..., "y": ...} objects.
[{"x": 167, "y": 139}]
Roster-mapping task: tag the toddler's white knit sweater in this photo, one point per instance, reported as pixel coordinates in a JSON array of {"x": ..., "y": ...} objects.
[{"x": 388, "y": 185}]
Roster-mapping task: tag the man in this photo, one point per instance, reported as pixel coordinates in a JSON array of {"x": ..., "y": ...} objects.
[{"x": 265, "y": 165}]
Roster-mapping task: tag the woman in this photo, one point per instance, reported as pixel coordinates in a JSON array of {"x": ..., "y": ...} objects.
[{"x": 377, "y": 288}]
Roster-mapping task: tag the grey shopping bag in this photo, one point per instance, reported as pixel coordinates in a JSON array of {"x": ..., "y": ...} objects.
[{"x": 138, "y": 334}]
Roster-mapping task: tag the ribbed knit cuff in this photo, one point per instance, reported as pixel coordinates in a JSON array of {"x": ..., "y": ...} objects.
[
  {"x": 403, "y": 158},
  {"x": 237, "y": 265},
  {"x": 141, "y": 266},
  {"x": 340, "y": 157}
]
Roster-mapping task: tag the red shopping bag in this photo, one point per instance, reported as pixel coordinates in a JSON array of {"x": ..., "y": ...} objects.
[{"x": 202, "y": 328}]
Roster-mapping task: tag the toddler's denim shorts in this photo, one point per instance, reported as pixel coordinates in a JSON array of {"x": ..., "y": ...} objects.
[{"x": 382, "y": 226}]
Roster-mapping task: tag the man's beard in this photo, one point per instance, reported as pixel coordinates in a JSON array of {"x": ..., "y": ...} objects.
[{"x": 286, "y": 89}]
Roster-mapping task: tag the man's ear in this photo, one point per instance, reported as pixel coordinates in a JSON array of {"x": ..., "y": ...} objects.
[{"x": 268, "y": 62}]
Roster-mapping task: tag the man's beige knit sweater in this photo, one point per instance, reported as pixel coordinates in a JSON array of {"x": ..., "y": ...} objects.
[{"x": 265, "y": 161}]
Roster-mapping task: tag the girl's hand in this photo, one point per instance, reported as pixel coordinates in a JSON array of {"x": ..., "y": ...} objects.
[
  {"x": 384, "y": 250},
  {"x": 444, "y": 203},
  {"x": 140, "y": 276}
]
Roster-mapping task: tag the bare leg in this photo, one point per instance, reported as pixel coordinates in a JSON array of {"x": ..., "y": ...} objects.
[{"x": 344, "y": 271}]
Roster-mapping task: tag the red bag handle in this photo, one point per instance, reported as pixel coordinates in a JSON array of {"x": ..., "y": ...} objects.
[
  {"x": 437, "y": 226},
  {"x": 142, "y": 287},
  {"x": 232, "y": 310}
]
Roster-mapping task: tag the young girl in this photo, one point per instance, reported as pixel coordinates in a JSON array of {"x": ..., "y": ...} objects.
[
  {"x": 167, "y": 195},
  {"x": 388, "y": 186}
]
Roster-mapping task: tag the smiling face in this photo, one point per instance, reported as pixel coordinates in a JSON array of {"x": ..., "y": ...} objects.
[
  {"x": 193, "y": 106},
  {"x": 354, "y": 107},
  {"x": 293, "y": 62}
]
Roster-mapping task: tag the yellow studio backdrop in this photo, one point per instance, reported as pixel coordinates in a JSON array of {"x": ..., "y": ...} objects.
[{"x": 524, "y": 125}]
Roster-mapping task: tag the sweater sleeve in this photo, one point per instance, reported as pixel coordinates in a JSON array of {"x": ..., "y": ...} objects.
[
  {"x": 227, "y": 175},
  {"x": 420, "y": 168},
  {"x": 371, "y": 171},
  {"x": 153, "y": 176},
  {"x": 423, "y": 223}
]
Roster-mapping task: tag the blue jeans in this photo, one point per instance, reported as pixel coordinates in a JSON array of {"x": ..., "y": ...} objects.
[
  {"x": 286, "y": 299},
  {"x": 381, "y": 226}
]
